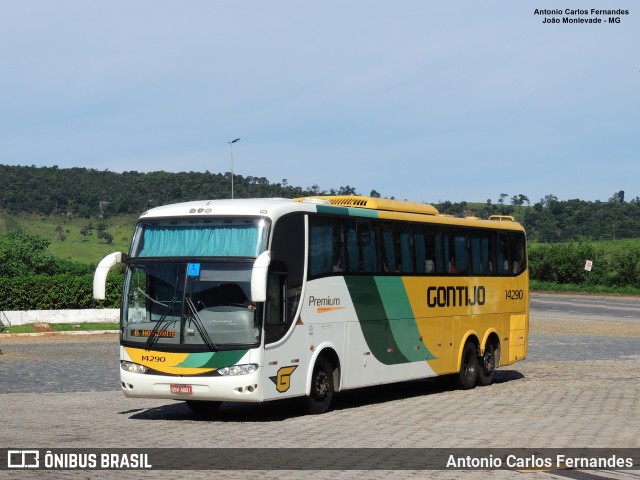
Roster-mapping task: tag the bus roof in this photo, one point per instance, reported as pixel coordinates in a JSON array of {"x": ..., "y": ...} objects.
[
  {"x": 350, "y": 205},
  {"x": 354, "y": 205},
  {"x": 270, "y": 207},
  {"x": 378, "y": 204}
]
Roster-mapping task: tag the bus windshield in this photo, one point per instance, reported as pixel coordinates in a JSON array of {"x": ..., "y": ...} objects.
[
  {"x": 215, "y": 237},
  {"x": 186, "y": 303}
]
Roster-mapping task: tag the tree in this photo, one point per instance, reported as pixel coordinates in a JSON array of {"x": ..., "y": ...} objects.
[
  {"x": 106, "y": 236},
  {"x": 60, "y": 231},
  {"x": 103, "y": 205},
  {"x": 548, "y": 200},
  {"x": 617, "y": 197},
  {"x": 347, "y": 190},
  {"x": 86, "y": 231},
  {"x": 519, "y": 200},
  {"x": 24, "y": 254},
  {"x": 374, "y": 194}
]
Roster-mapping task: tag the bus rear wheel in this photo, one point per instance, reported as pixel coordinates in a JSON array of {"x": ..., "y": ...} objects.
[
  {"x": 487, "y": 365},
  {"x": 468, "y": 375},
  {"x": 203, "y": 406},
  {"x": 322, "y": 388}
]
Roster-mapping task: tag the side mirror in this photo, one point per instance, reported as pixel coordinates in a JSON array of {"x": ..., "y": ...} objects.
[
  {"x": 259, "y": 277},
  {"x": 100, "y": 277}
]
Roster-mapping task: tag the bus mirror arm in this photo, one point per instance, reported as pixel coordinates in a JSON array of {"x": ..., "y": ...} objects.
[
  {"x": 259, "y": 277},
  {"x": 100, "y": 277}
]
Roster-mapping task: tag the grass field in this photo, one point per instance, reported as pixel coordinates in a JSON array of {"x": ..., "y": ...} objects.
[{"x": 75, "y": 247}]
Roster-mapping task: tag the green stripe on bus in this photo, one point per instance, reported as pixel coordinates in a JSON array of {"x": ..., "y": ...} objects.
[
  {"x": 220, "y": 359},
  {"x": 330, "y": 210},
  {"x": 352, "y": 212},
  {"x": 373, "y": 320},
  {"x": 401, "y": 319},
  {"x": 363, "y": 212}
]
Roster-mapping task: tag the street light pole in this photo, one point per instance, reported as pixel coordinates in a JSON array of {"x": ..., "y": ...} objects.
[{"x": 231, "y": 153}]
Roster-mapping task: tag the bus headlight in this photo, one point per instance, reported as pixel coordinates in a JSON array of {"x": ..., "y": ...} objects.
[
  {"x": 238, "y": 369},
  {"x": 133, "y": 367}
]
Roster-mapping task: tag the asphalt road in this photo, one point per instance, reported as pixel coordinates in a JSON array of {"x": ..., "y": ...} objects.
[{"x": 620, "y": 309}]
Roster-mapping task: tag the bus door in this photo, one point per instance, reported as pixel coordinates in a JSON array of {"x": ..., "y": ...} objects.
[{"x": 285, "y": 344}]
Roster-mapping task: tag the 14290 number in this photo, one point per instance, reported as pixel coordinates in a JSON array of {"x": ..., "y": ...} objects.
[{"x": 514, "y": 294}]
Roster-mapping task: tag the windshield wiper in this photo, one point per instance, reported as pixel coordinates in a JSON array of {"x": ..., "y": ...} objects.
[
  {"x": 154, "y": 336},
  {"x": 197, "y": 321}
]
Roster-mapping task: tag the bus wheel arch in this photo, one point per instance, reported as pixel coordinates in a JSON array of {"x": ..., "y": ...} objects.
[{"x": 324, "y": 381}]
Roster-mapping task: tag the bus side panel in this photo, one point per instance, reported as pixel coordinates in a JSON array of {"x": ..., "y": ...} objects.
[
  {"x": 322, "y": 323},
  {"x": 451, "y": 309},
  {"x": 326, "y": 313},
  {"x": 385, "y": 344},
  {"x": 368, "y": 320},
  {"x": 285, "y": 365},
  {"x": 517, "y": 337},
  {"x": 361, "y": 368}
]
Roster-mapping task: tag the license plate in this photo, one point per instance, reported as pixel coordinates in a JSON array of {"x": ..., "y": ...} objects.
[{"x": 181, "y": 389}]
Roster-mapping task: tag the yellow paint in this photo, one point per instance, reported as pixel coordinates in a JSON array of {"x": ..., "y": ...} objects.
[
  {"x": 328, "y": 309},
  {"x": 517, "y": 337},
  {"x": 445, "y": 329},
  {"x": 283, "y": 379},
  {"x": 165, "y": 362}
]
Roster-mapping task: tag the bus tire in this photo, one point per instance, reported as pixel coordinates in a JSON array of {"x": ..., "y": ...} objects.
[
  {"x": 322, "y": 387},
  {"x": 468, "y": 375},
  {"x": 203, "y": 406},
  {"x": 487, "y": 365}
]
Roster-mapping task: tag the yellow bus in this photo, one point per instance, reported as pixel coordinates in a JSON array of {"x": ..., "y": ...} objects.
[{"x": 261, "y": 299}]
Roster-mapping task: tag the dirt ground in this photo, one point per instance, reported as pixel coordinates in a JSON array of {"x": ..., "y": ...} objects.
[{"x": 596, "y": 328}]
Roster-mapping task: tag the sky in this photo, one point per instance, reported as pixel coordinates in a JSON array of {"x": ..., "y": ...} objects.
[{"x": 417, "y": 99}]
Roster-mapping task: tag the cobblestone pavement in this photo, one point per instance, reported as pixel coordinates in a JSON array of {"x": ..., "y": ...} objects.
[{"x": 572, "y": 391}]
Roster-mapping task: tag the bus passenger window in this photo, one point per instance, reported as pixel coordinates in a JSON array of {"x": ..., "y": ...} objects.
[
  {"x": 461, "y": 254},
  {"x": 389, "y": 237},
  {"x": 326, "y": 252},
  {"x": 502, "y": 254},
  {"x": 406, "y": 250},
  {"x": 353, "y": 252},
  {"x": 425, "y": 250},
  {"x": 456, "y": 252},
  {"x": 362, "y": 247},
  {"x": 482, "y": 260},
  {"x": 517, "y": 249},
  {"x": 368, "y": 247}
]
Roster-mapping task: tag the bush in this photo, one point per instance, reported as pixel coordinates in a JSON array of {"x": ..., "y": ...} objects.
[
  {"x": 24, "y": 254},
  {"x": 57, "y": 292},
  {"x": 564, "y": 264},
  {"x": 625, "y": 268}
]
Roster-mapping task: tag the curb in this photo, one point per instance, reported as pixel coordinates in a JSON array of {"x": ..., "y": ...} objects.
[{"x": 52, "y": 334}]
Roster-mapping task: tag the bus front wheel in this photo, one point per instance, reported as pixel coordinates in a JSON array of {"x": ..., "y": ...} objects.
[
  {"x": 468, "y": 375},
  {"x": 322, "y": 388}
]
